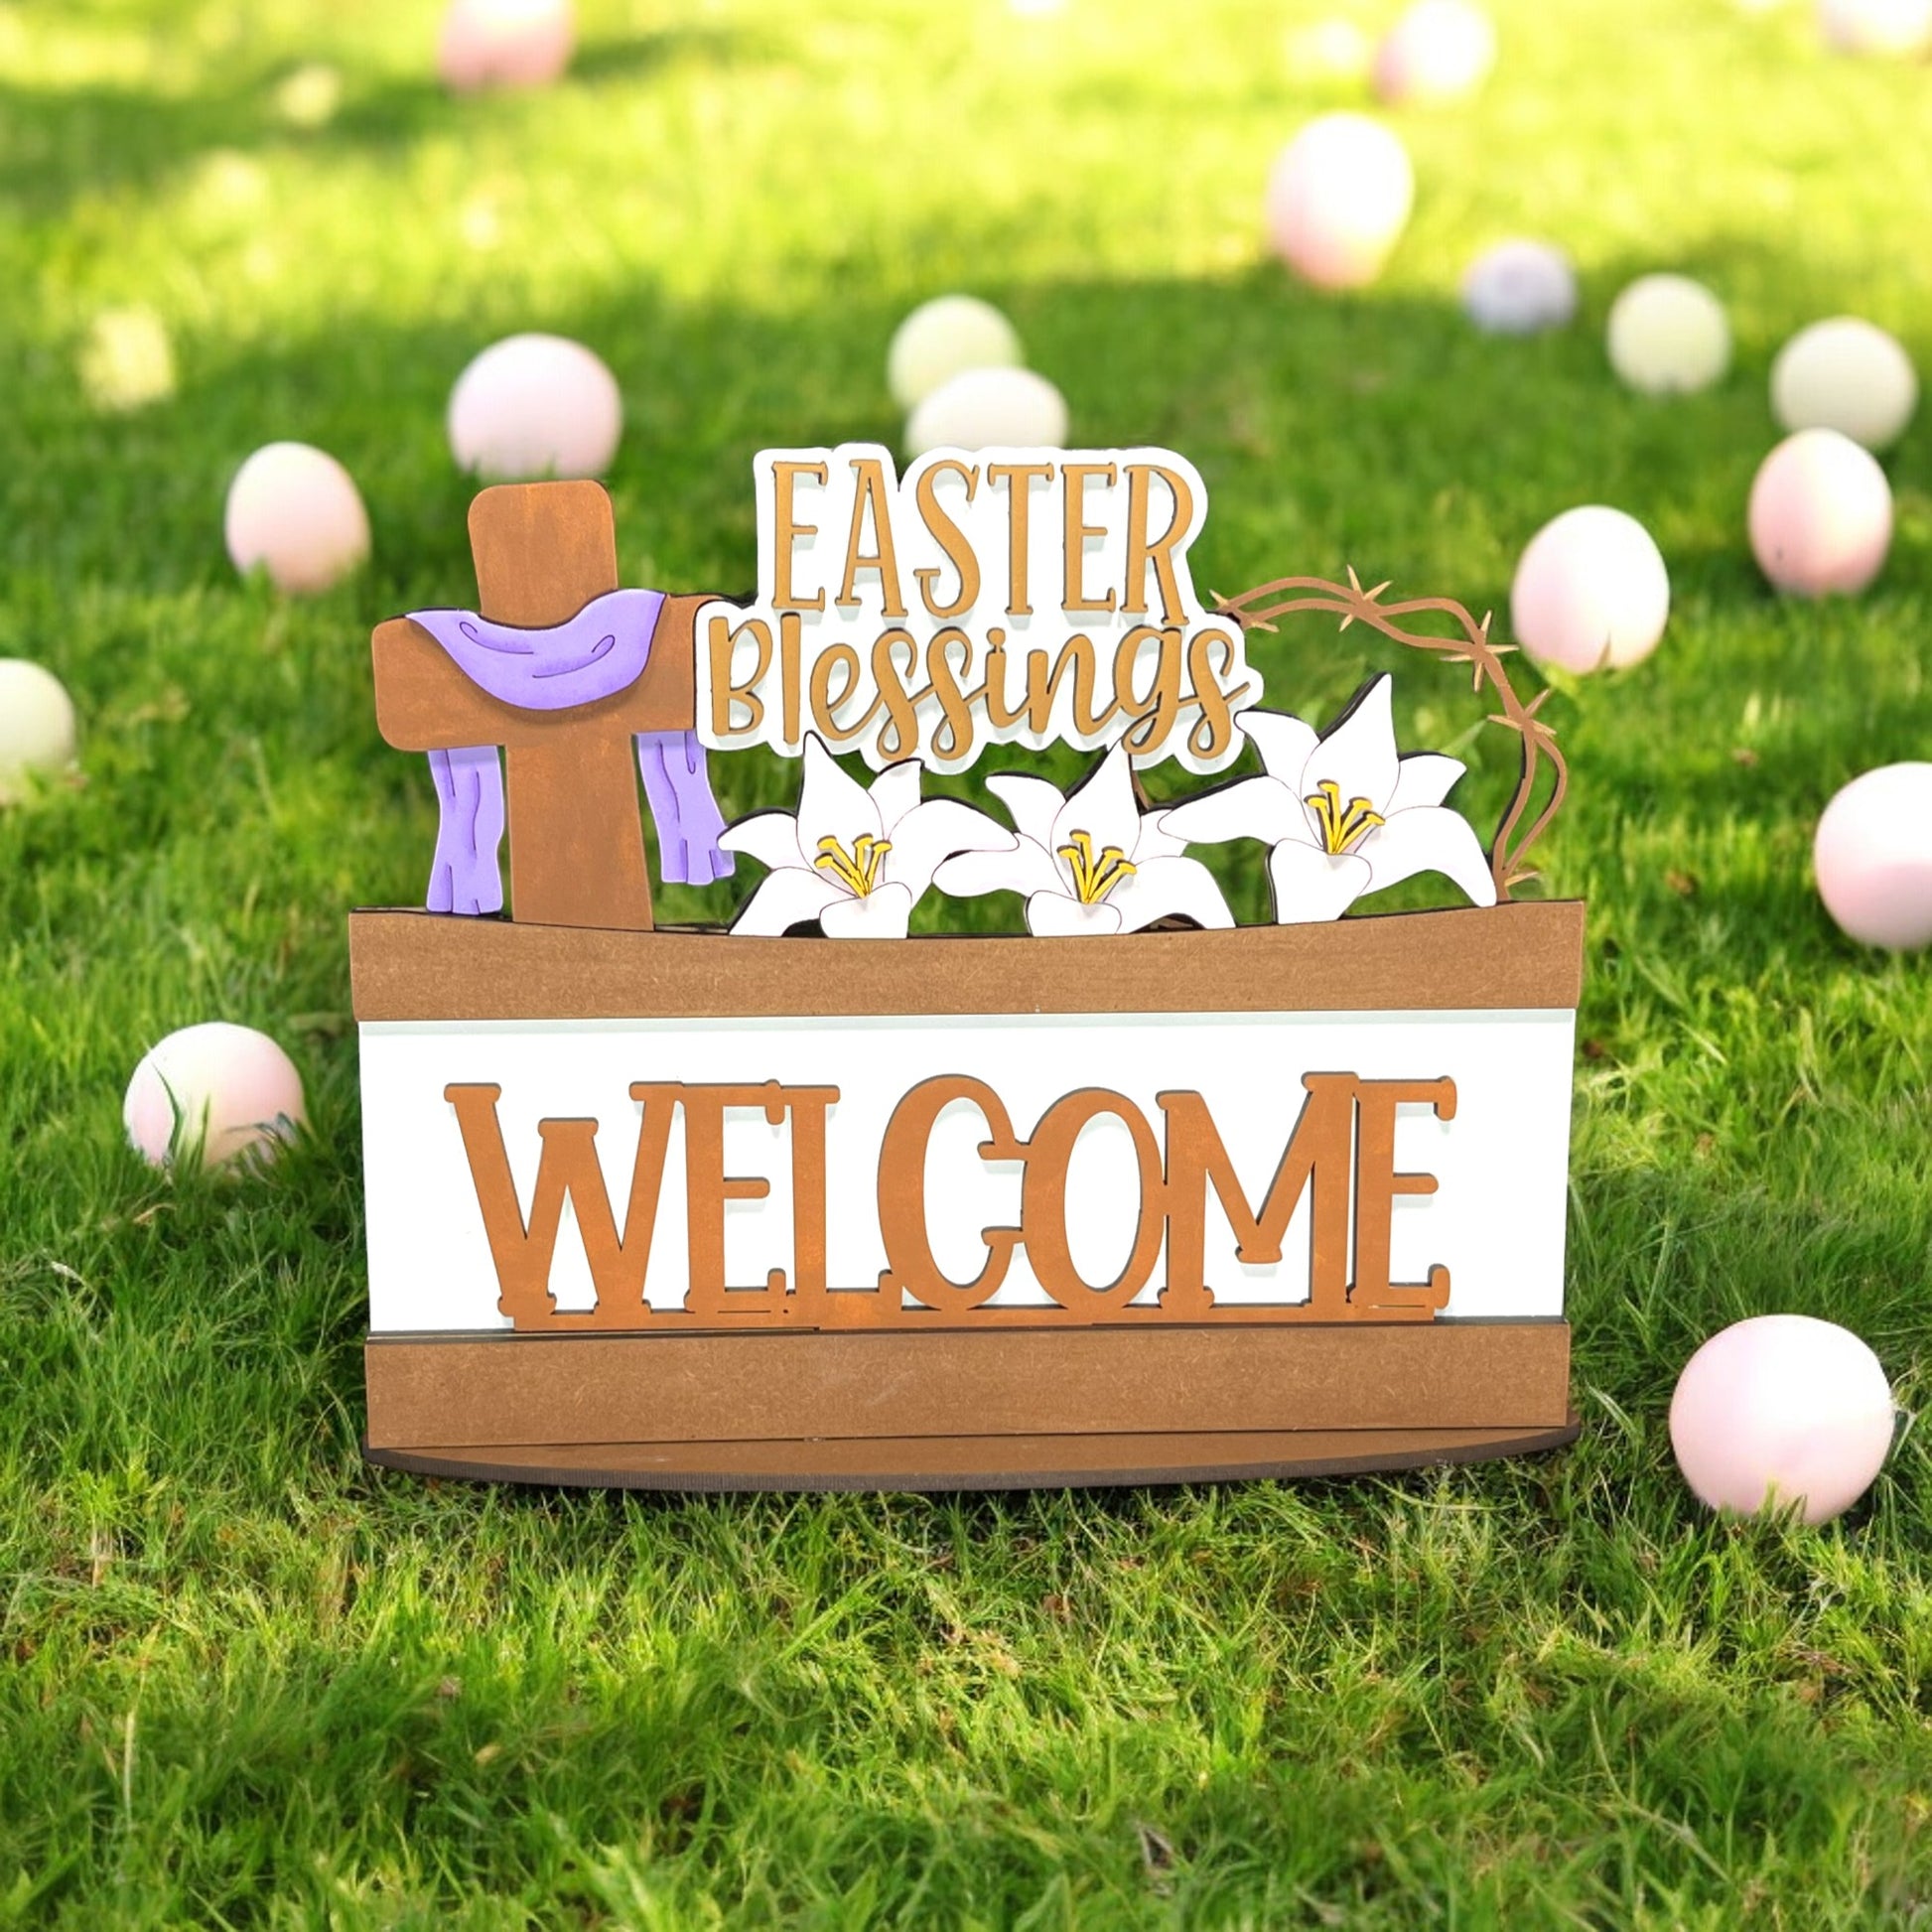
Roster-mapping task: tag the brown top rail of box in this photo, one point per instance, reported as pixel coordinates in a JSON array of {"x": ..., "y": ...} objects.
[{"x": 408, "y": 965}]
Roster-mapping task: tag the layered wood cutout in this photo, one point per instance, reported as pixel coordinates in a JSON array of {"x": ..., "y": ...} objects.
[{"x": 795, "y": 1200}]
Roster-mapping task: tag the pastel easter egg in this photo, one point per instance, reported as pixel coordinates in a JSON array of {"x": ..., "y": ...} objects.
[
  {"x": 1437, "y": 51},
  {"x": 942, "y": 338},
  {"x": 1668, "y": 336},
  {"x": 1884, "y": 27},
  {"x": 309, "y": 97},
  {"x": 1782, "y": 1409},
  {"x": 1334, "y": 48},
  {"x": 1873, "y": 856},
  {"x": 1820, "y": 515},
  {"x": 38, "y": 733},
  {"x": 532, "y": 407},
  {"x": 1520, "y": 288},
  {"x": 506, "y": 43},
  {"x": 127, "y": 360},
  {"x": 1845, "y": 374},
  {"x": 295, "y": 512},
  {"x": 1590, "y": 591},
  {"x": 217, "y": 1092},
  {"x": 981, "y": 409},
  {"x": 1338, "y": 199}
]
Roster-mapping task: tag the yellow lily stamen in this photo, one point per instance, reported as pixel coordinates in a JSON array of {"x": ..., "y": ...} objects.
[
  {"x": 858, "y": 870},
  {"x": 1343, "y": 828},
  {"x": 1094, "y": 878}
]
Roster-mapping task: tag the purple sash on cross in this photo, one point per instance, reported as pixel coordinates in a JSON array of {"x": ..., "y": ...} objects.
[{"x": 599, "y": 652}]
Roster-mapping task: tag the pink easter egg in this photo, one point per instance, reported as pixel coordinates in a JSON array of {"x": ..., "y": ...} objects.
[
  {"x": 1874, "y": 857},
  {"x": 1591, "y": 591},
  {"x": 1339, "y": 198},
  {"x": 1820, "y": 515},
  {"x": 1887, "y": 27},
  {"x": 532, "y": 407},
  {"x": 1780, "y": 1410},
  {"x": 1440, "y": 50},
  {"x": 217, "y": 1091},
  {"x": 506, "y": 43},
  {"x": 295, "y": 512}
]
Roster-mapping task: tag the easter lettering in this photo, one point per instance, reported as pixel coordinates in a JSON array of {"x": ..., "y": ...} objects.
[{"x": 993, "y": 597}]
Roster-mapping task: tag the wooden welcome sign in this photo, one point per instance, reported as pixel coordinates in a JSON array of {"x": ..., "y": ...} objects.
[{"x": 1133, "y": 1195}]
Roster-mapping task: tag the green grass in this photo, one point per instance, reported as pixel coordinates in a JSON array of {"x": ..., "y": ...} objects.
[{"x": 244, "y": 1679}]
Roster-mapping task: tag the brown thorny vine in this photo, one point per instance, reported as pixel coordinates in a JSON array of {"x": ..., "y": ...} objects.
[{"x": 1257, "y": 609}]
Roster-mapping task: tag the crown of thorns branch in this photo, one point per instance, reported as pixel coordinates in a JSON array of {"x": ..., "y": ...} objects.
[{"x": 1258, "y": 609}]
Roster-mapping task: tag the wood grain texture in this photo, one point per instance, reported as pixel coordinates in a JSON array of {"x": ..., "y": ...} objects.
[
  {"x": 428, "y": 966},
  {"x": 974, "y": 1461},
  {"x": 575, "y": 831},
  {"x": 773, "y": 1386}
]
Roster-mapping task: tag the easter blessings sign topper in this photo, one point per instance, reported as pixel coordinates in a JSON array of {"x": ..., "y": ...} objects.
[
  {"x": 1011, "y": 596},
  {"x": 1138, "y": 1195}
]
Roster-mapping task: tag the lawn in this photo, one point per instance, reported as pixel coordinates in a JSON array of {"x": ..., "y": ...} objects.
[{"x": 245, "y": 1680}]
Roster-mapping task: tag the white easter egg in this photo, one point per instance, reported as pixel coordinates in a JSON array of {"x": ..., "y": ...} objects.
[
  {"x": 532, "y": 407},
  {"x": 1873, "y": 856},
  {"x": 982, "y": 409},
  {"x": 1668, "y": 335},
  {"x": 217, "y": 1091},
  {"x": 1591, "y": 590},
  {"x": 942, "y": 338},
  {"x": 1849, "y": 375},
  {"x": 295, "y": 512},
  {"x": 1820, "y": 515},
  {"x": 1439, "y": 50},
  {"x": 1778, "y": 1409},
  {"x": 1338, "y": 199},
  {"x": 1520, "y": 288},
  {"x": 38, "y": 733}
]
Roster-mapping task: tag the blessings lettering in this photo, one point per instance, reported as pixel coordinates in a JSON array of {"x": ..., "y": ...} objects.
[{"x": 996, "y": 596}]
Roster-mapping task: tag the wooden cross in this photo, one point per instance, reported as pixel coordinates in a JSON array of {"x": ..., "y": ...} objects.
[{"x": 575, "y": 832}]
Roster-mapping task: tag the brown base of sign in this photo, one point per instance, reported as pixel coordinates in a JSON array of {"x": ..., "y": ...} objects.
[
  {"x": 959, "y": 1409},
  {"x": 974, "y": 1461}
]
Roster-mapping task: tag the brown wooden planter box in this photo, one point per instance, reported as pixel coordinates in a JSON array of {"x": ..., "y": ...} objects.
[{"x": 856, "y": 1389}]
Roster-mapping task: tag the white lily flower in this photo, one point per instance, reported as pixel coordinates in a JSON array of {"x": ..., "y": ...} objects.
[
  {"x": 1344, "y": 812},
  {"x": 856, "y": 859},
  {"x": 1089, "y": 862}
]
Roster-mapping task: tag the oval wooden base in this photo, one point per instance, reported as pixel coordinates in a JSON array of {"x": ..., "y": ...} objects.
[{"x": 974, "y": 1461}]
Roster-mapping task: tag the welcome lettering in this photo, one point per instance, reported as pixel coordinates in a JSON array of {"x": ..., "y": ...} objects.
[{"x": 1340, "y": 1156}]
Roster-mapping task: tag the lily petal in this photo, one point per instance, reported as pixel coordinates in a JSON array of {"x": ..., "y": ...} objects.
[
  {"x": 896, "y": 791},
  {"x": 1031, "y": 802},
  {"x": 1103, "y": 806},
  {"x": 933, "y": 832},
  {"x": 832, "y": 806},
  {"x": 785, "y": 898},
  {"x": 1286, "y": 743},
  {"x": 1164, "y": 885},
  {"x": 1423, "y": 779},
  {"x": 1431, "y": 838},
  {"x": 1250, "y": 808},
  {"x": 1158, "y": 840},
  {"x": 1359, "y": 753},
  {"x": 881, "y": 915},
  {"x": 1028, "y": 867},
  {"x": 772, "y": 838},
  {"x": 1056, "y": 915},
  {"x": 1310, "y": 886}
]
